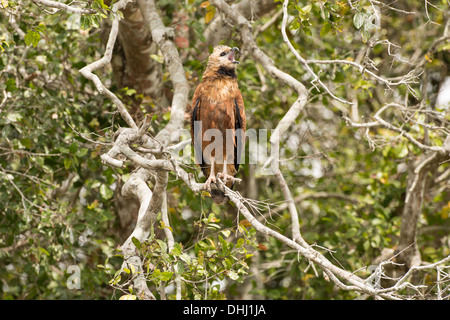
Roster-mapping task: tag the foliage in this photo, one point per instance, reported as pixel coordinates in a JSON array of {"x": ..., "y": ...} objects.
[
  {"x": 56, "y": 197},
  {"x": 58, "y": 201},
  {"x": 214, "y": 257}
]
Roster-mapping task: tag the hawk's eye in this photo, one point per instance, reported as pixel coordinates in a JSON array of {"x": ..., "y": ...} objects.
[{"x": 223, "y": 53}]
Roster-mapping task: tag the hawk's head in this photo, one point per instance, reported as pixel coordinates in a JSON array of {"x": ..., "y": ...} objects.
[{"x": 222, "y": 58}]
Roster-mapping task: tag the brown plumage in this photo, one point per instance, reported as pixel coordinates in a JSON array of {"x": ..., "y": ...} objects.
[{"x": 218, "y": 104}]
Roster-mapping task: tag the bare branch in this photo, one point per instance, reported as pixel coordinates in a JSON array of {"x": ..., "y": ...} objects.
[
  {"x": 295, "y": 227},
  {"x": 390, "y": 7},
  {"x": 316, "y": 195},
  {"x": 300, "y": 58},
  {"x": 63, "y": 6},
  {"x": 219, "y": 29},
  {"x": 407, "y": 79},
  {"x": 381, "y": 122},
  {"x": 5, "y": 97},
  {"x": 88, "y": 70},
  {"x": 333, "y": 272},
  {"x": 163, "y": 37}
]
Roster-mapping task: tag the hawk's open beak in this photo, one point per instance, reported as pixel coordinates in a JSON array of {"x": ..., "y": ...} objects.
[{"x": 231, "y": 56}]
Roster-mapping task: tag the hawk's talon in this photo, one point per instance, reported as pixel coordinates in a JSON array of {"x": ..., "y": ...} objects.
[
  {"x": 207, "y": 186},
  {"x": 225, "y": 177}
]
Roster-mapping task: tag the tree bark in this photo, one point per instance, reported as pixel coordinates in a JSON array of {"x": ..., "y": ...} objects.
[
  {"x": 219, "y": 30},
  {"x": 132, "y": 65},
  {"x": 420, "y": 172}
]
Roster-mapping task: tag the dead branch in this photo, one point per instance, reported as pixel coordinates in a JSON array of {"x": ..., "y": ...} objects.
[
  {"x": 88, "y": 70},
  {"x": 63, "y": 6},
  {"x": 163, "y": 37}
]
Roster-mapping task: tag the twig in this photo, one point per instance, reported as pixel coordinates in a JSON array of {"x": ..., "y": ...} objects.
[
  {"x": 87, "y": 71},
  {"x": 5, "y": 97},
  {"x": 381, "y": 122},
  {"x": 63, "y": 6},
  {"x": 301, "y": 59},
  {"x": 295, "y": 225}
]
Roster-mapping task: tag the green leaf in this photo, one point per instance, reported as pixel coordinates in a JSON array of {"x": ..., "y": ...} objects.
[
  {"x": 325, "y": 29},
  {"x": 226, "y": 233},
  {"x": 67, "y": 163},
  {"x": 213, "y": 226},
  {"x": 106, "y": 192},
  {"x": 42, "y": 250},
  {"x": 32, "y": 38},
  {"x": 307, "y": 31},
  {"x": 233, "y": 275},
  {"x": 130, "y": 92},
  {"x": 136, "y": 242},
  {"x": 210, "y": 12},
  {"x": 74, "y": 22},
  {"x": 82, "y": 152},
  {"x": 157, "y": 58},
  {"x": 102, "y": 4},
  {"x": 303, "y": 13},
  {"x": 156, "y": 273},
  {"x": 365, "y": 34},
  {"x": 85, "y": 22},
  {"x": 186, "y": 258},
  {"x": 197, "y": 27},
  {"x": 175, "y": 252},
  {"x": 40, "y": 28},
  {"x": 179, "y": 267},
  {"x": 401, "y": 150},
  {"x": 73, "y": 148},
  {"x": 94, "y": 122},
  {"x": 95, "y": 21},
  {"x": 11, "y": 87},
  {"x": 26, "y": 142},
  {"x": 162, "y": 245},
  {"x": 324, "y": 13},
  {"x": 166, "y": 275},
  {"x": 201, "y": 257},
  {"x": 359, "y": 19}
]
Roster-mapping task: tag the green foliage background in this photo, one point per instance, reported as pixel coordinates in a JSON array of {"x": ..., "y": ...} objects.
[{"x": 57, "y": 200}]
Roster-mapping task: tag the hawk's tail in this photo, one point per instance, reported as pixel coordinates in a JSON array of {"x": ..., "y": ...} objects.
[{"x": 219, "y": 197}]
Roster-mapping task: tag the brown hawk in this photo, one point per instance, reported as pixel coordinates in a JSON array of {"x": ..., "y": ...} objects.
[{"x": 218, "y": 105}]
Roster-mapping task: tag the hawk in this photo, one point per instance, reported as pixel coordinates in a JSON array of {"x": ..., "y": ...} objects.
[{"x": 218, "y": 105}]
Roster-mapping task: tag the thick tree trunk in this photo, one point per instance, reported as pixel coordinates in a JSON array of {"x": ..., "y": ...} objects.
[
  {"x": 140, "y": 72},
  {"x": 132, "y": 65},
  {"x": 133, "y": 68},
  {"x": 421, "y": 173},
  {"x": 219, "y": 30},
  {"x": 407, "y": 246}
]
